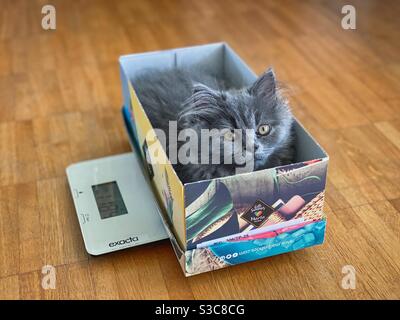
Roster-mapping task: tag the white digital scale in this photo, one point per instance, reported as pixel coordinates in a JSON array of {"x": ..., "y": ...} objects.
[{"x": 115, "y": 205}]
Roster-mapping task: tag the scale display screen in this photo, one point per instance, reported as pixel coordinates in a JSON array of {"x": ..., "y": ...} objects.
[{"x": 109, "y": 200}]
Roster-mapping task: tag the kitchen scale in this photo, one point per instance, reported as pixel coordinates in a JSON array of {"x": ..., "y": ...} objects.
[{"x": 114, "y": 203}]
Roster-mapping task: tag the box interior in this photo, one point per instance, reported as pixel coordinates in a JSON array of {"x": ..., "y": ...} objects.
[{"x": 221, "y": 60}]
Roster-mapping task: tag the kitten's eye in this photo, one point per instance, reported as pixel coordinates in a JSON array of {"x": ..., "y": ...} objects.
[
  {"x": 229, "y": 135},
  {"x": 264, "y": 129}
]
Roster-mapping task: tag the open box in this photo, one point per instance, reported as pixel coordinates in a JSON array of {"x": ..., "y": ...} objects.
[{"x": 226, "y": 221}]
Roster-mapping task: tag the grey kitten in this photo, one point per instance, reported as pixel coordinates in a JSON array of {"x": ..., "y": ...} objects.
[{"x": 198, "y": 100}]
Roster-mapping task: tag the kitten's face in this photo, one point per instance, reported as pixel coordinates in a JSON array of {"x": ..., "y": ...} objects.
[{"x": 259, "y": 109}]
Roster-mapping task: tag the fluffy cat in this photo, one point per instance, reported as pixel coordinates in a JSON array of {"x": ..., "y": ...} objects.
[{"x": 198, "y": 100}]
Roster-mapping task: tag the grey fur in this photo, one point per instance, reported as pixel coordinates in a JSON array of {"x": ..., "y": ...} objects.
[{"x": 198, "y": 101}]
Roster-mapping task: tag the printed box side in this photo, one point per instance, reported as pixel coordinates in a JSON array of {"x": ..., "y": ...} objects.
[
  {"x": 229, "y": 253},
  {"x": 162, "y": 175}
]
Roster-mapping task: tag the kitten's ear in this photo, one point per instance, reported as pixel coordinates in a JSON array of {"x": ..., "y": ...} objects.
[
  {"x": 265, "y": 85},
  {"x": 202, "y": 95},
  {"x": 199, "y": 88},
  {"x": 199, "y": 104}
]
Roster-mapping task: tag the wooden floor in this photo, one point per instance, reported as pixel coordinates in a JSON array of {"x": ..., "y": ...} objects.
[{"x": 60, "y": 99}]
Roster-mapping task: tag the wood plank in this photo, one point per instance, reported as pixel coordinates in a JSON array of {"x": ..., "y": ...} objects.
[{"x": 9, "y": 288}]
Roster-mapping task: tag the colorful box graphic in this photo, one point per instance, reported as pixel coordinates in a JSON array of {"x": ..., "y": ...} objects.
[{"x": 227, "y": 221}]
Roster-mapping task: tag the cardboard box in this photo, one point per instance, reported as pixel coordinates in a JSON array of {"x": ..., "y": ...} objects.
[{"x": 222, "y": 222}]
